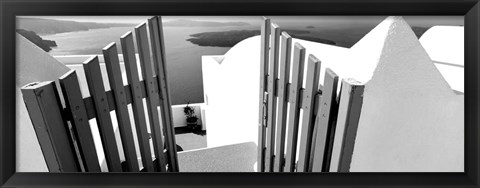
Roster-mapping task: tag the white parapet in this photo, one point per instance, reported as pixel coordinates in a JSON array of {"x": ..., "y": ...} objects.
[
  {"x": 411, "y": 120},
  {"x": 231, "y": 97},
  {"x": 32, "y": 65},
  {"x": 445, "y": 46},
  {"x": 412, "y": 117}
]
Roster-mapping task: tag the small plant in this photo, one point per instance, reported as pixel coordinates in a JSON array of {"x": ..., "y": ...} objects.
[{"x": 191, "y": 117}]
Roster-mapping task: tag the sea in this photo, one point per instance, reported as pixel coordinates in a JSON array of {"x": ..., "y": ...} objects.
[{"x": 184, "y": 58}]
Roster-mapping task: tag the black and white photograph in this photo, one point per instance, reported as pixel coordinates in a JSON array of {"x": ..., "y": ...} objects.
[{"x": 260, "y": 93}]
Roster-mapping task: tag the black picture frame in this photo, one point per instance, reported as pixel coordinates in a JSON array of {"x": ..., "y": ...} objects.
[{"x": 11, "y": 8}]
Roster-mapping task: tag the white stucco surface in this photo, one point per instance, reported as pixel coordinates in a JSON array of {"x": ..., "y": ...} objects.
[
  {"x": 32, "y": 65},
  {"x": 444, "y": 43},
  {"x": 445, "y": 46},
  {"x": 230, "y": 94},
  {"x": 411, "y": 118}
]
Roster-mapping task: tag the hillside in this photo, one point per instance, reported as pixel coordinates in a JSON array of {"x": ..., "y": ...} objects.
[
  {"x": 49, "y": 26},
  {"x": 37, "y": 40}
]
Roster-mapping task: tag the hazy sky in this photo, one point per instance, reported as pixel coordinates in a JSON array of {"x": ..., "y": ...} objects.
[
  {"x": 139, "y": 19},
  {"x": 412, "y": 20}
]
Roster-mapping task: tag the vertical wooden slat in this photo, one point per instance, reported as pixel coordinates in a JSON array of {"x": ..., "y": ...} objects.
[
  {"x": 45, "y": 110},
  {"x": 272, "y": 99},
  {"x": 294, "y": 109},
  {"x": 286, "y": 48},
  {"x": 351, "y": 99},
  {"x": 76, "y": 108},
  {"x": 156, "y": 38},
  {"x": 116, "y": 84},
  {"x": 157, "y": 57},
  {"x": 158, "y": 48},
  {"x": 265, "y": 41},
  {"x": 104, "y": 121},
  {"x": 152, "y": 95},
  {"x": 324, "y": 122},
  {"x": 130, "y": 61},
  {"x": 311, "y": 87}
]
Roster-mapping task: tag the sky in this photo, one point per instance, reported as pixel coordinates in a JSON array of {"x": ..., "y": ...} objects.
[
  {"x": 413, "y": 20},
  {"x": 139, "y": 19}
]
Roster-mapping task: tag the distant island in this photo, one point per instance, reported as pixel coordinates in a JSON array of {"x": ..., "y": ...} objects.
[
  {"x": 43, "y": 26},
  {"x": 192, "y": 23},
  {"x": 231, "y": 38},
  {"x": 37, "y": 40}
]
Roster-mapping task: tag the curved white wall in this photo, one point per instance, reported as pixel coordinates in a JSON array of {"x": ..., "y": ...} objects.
[
  {"x": 411, "y": 118},
  {"x": 445, "y": 46},
  {"x": 231, "y": 85}
]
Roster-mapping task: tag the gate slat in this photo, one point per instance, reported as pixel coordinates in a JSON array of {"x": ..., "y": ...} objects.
[
  {"x": 76, "y": 108},
  {"x": 116, "y": 84},
  {"x": 111, "y": 101},
  {"x": 272, "y": 99},
  {"x": 349, "y": 109},
  {"x": 159, "y": 62},
  {"x": 311, "y": 87},
  {"x": 104, "y": 121},
  {"x": 265, "y": 40},
  {"x": 286, "y": 48},
  {"x": 294, "y": 109},
  {"x": 324, "y": 123},
  {"x": 45, "y": 110},
  {"x": 152, "y": 96},
  {"x": 137, "y": 101}
]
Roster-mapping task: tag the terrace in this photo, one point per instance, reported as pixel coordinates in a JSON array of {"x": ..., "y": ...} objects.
[{"x": 231, "y": 144}]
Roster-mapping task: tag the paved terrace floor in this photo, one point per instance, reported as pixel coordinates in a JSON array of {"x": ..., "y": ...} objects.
[
  {"x": 188, "y": 140},
  {"x": 240, "y": 157},
  {"x": 196, "y": 157}
]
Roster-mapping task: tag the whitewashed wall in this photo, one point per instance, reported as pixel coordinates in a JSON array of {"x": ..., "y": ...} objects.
[
  {"x": 32, "y": 64},
  {"x": 231, "y": 85},
  {"x": 411, "y": 118},
  {"x": 447, "y": 53}
]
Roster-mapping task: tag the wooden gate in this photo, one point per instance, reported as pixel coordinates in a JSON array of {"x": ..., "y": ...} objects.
[
  {"x": 327, "y": 124},
  {"x": 60, "y": 119},
  {"x": 323, "y": 125}
]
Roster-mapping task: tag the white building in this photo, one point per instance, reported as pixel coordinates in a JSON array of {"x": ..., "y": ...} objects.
[{"x": 412, "y": 117}]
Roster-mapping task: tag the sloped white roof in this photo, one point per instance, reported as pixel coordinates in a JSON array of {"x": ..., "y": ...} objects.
[{"x": 411, "y": 120}]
